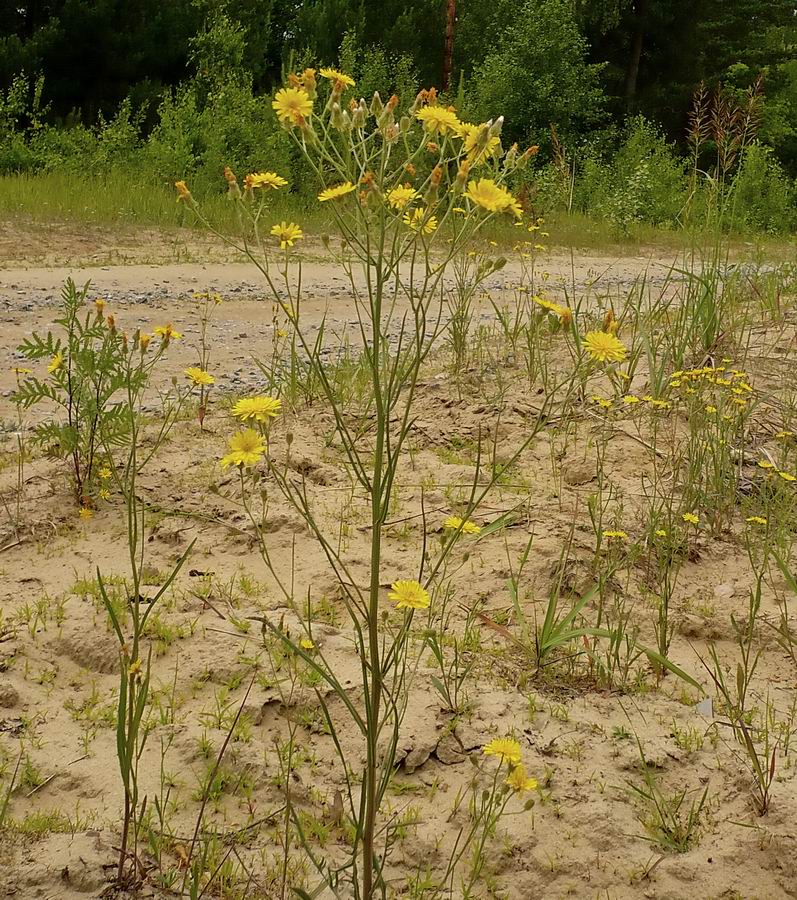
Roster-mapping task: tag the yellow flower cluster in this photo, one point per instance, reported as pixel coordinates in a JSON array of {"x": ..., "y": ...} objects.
[{"x": 507, "y": 750}]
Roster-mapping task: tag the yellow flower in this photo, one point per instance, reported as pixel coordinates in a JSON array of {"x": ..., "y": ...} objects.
[
  {"x": 56, "y": 363},
  {"x": 168, "y": 333},
  {"x": 265, "y": 180},
  {"x": 478, "y": 144},
  {"x": 765, "y": 464},
  {"x": 105, "y": 473},
  {"x": 785, "y": 435},
  {"x": 711, "y": 409},
  {"x": 261, "y": 409},
  {"x": 246, "y": 448},
  {"x": 618, "y": 535},
  {"x": 105, "y": 494},
  {"x": 506, "y": 749},
  {"x": 438, "y": 118},
  {"x": 603, "y": 402},
  {"x": 690, "y": 519},
  {"x": 85, "y": 512},
  {"x": 660, "y": 532},
  {"x": 143, "y": 342},
  {"x": 199, "y": 376},
  {"x": 756, "y": 520},
  {"x": 519, "y": 781},
  {"x": 492, "y": 197},
  {"x": 306, "y": 644},
  {"x": 182, "y": 192},
  {"x": 605, "y": 347},
  {"x": 787, "y": 476},
  {"x": 454, "y": 522},
  {"x": 419, "y": 220},
  {"x": 630, "y": 399},
  {"x": 409, "y": 595},
  {"x": 287, "y": 233},
  {"x": 292, "y": 105},
  {"x": 338, "y": 77},
  {"x": 335, "y": 193},
  {"x": 400, "y": 196},
  {"x": 556, "y": 308}
]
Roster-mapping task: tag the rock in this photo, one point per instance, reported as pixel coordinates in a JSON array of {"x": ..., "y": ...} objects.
[
  {"x": 9, "y": 696},
  {"x": 578, "y": 471},
  {"x": 97, "y": 650}
]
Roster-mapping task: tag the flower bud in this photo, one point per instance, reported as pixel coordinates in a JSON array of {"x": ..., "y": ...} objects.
[
  {"x": 497, "y": 127},
  {"x": 376, "y": 105},
  {"x": 462, "y": 176},
  {"x": 308, "y": 83},
  {"x": 405, "y": 123}
]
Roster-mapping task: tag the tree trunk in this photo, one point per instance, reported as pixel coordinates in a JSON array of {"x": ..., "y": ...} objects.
[
  {"x": 448, "y": 51},
  {"x": 635, "y": 54}
]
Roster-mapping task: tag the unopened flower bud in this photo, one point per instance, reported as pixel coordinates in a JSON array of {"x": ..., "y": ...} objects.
[
  {"x": 100, "y": 305},
  {"x": 405, "y": 123},
  {"x": 462, "y": 176},
  {"x": 308, "y": 83},
  {"x": 376, "y": 105},
  {"x": 497, "y": 127}
]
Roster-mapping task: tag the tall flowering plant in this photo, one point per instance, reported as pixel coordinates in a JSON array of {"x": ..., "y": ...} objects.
[{"x": 407, "y": 191}]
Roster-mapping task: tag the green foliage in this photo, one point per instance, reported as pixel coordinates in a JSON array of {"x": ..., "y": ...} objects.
[
  {"x": 538, "y": 74},
  {"x": 763, "y": 196},
  {"x": 87, "y": 367}
]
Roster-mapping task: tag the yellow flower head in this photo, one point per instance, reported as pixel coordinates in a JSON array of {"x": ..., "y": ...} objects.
[
  {"x": 56, "y": 363},
  {"x": 287, "y": 233},
  {"x": 265, "y": 180},
  {"x": 292, "y": 106},
  {"x": 306, "y": 644},
  {"x": 182, "y": 192},
  {"x": 616, "y": 535},
  {"x": 260, "y": 409},
  {"x": 336, "y": 192},
  {"x": 438, "y": 118},
  {"x": 604, "y": 347},
  {"x": 143, "y": 342},
  {"x": 247, "y": 448},
  {"x": 85, "y": 512},
  {"x": 506, "y": 749},
  {"x": 690, "y": 519},
  {"x": 419, "y": 220},
  {"x": 105, "y": 473},
  {"x": 105, "y": 494},
  {"x": 660, "y": 532},
  {"x": 452, "y": 523},
  {"x": 339, "y": 78},
  {"x": 199, "y": 376},
  {"x": 478, "y": 144},
  {"x": 787, "y": 476},
  {"x": 631, "y": 399},
  {"x": 756, "y": 520},
  {"x": 167, "y": 333},
  {"x": 519, "y": 781},
  {"x": 492, "y": 197},
  {"x": 409, "y": 595},
  {"x": 765, "y": 464},
  {"x": 400, "y": 196}
]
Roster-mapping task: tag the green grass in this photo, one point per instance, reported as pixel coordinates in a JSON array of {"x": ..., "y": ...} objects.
[
  {"x": 119, "y": 198},
  {"x": 129, "y": 199}
]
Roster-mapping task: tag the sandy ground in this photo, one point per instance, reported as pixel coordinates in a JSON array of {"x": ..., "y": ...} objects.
[{"x": 585, "y": 835}]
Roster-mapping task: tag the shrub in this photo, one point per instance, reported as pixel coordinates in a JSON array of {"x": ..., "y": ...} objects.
[
  {"x": 538, "y": 74},
  {"x": 763, "y": 196}
]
